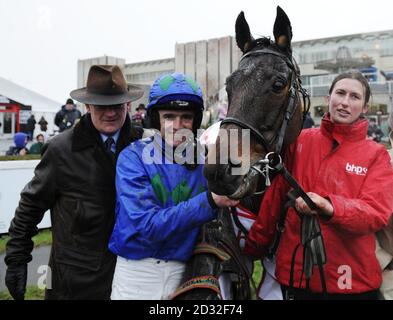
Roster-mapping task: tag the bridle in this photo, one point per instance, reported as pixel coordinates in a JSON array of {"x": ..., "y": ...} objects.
[
  {"x": 262, "y": 166},
  {"x": 295, "y": 87}
]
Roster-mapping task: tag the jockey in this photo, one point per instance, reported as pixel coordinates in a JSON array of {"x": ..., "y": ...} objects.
[{"x": 161, "y": 195}]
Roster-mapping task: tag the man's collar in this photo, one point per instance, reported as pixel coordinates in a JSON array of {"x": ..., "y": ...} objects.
[
  {"x": 115, "y": 136},
  {"x": 85, "y": 135}
]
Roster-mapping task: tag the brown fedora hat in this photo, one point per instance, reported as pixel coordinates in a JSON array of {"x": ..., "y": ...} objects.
[{"x": 106, "y": 86}]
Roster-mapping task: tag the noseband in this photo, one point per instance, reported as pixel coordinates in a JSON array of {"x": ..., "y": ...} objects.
[{"x": 289, "y": 110}]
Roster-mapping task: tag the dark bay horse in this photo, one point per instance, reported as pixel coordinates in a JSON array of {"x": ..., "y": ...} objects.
[{"x": 264, "y": 97}]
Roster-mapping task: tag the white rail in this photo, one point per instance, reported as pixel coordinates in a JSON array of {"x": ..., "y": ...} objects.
[{"x": 14, "y": 175}]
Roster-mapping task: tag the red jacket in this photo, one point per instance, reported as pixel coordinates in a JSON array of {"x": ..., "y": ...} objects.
[{"x": 355, "y": 174}]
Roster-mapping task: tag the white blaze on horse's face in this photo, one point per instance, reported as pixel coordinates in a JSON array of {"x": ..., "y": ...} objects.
[
  {"x": 210, "y": 135},
  {"x": 347, "y": 101},
  {"x": 229, "y": 144}
]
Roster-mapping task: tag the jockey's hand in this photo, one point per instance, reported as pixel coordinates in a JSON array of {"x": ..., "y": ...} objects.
[
  {"x": 325, "y": 207},
  {"x": 224, "y": 201}
]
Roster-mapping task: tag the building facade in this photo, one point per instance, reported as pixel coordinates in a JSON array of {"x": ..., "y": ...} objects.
[
  {"x": 144, "y": 73},
  {"x": 211, "y": 61},
  {"x": 320, "y": 60}
]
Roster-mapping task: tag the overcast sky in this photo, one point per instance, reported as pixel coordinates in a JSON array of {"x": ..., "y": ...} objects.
[{"x": 42, "y": 40}]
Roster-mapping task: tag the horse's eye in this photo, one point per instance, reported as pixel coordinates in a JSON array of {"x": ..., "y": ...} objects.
[{"x": 278, "y": 86}]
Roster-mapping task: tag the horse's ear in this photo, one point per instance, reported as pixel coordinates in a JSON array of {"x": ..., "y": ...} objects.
[
  {"x": 282, "y": 30},
  {"x": 243, "y": 34}
]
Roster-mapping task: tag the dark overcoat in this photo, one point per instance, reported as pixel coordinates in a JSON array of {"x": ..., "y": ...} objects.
[{"x": 75, "y": 179}]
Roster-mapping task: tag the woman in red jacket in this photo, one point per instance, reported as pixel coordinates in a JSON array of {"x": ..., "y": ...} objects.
[{"x": 350, "y": 179}]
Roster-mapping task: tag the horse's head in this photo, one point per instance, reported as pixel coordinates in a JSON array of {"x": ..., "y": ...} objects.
[{"x": 263, "y": 98}]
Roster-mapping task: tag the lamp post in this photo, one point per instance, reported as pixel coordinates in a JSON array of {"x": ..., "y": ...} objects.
[
  {"x": 379, "y": 114},
  {"x": 390, "y": 95}
]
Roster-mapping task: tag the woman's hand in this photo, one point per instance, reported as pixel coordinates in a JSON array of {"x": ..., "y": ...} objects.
[{"x": 324, "y": 205}]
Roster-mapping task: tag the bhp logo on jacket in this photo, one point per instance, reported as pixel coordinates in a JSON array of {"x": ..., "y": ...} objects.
[{"x": 351, "y": 168}]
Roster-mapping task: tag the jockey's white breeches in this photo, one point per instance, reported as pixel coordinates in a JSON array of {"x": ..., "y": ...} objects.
[{"x": 146, "y": 279}]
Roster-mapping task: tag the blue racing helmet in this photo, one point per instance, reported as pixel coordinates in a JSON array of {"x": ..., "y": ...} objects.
[
  {"x": 172, "y": 87},
  {"x": 175, "y": 91}
]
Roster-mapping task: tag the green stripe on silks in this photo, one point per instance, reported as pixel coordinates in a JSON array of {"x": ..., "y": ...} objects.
[
  {"x": 204, "y": 247},
  {"x": 182, "y": 192},
  {"x": 202, "y": 282},
  {"x": 159, "y": 188}
]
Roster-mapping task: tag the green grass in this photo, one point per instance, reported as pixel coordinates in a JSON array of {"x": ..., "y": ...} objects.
[
  {"x": 26, "y": 157},
  {"x": 32, "y": 293},
  {"x": 3, "y": 241},
  {"x": 256, "y": 277},
  {"x": 43, "y": 238}
]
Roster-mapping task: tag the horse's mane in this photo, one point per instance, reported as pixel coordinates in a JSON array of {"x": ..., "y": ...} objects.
[
  {"x": 263, "y": 42},
  {"x": 266, "y": 42}
]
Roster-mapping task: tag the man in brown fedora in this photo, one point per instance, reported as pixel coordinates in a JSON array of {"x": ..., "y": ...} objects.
[{"x": 75, "y": 179}]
